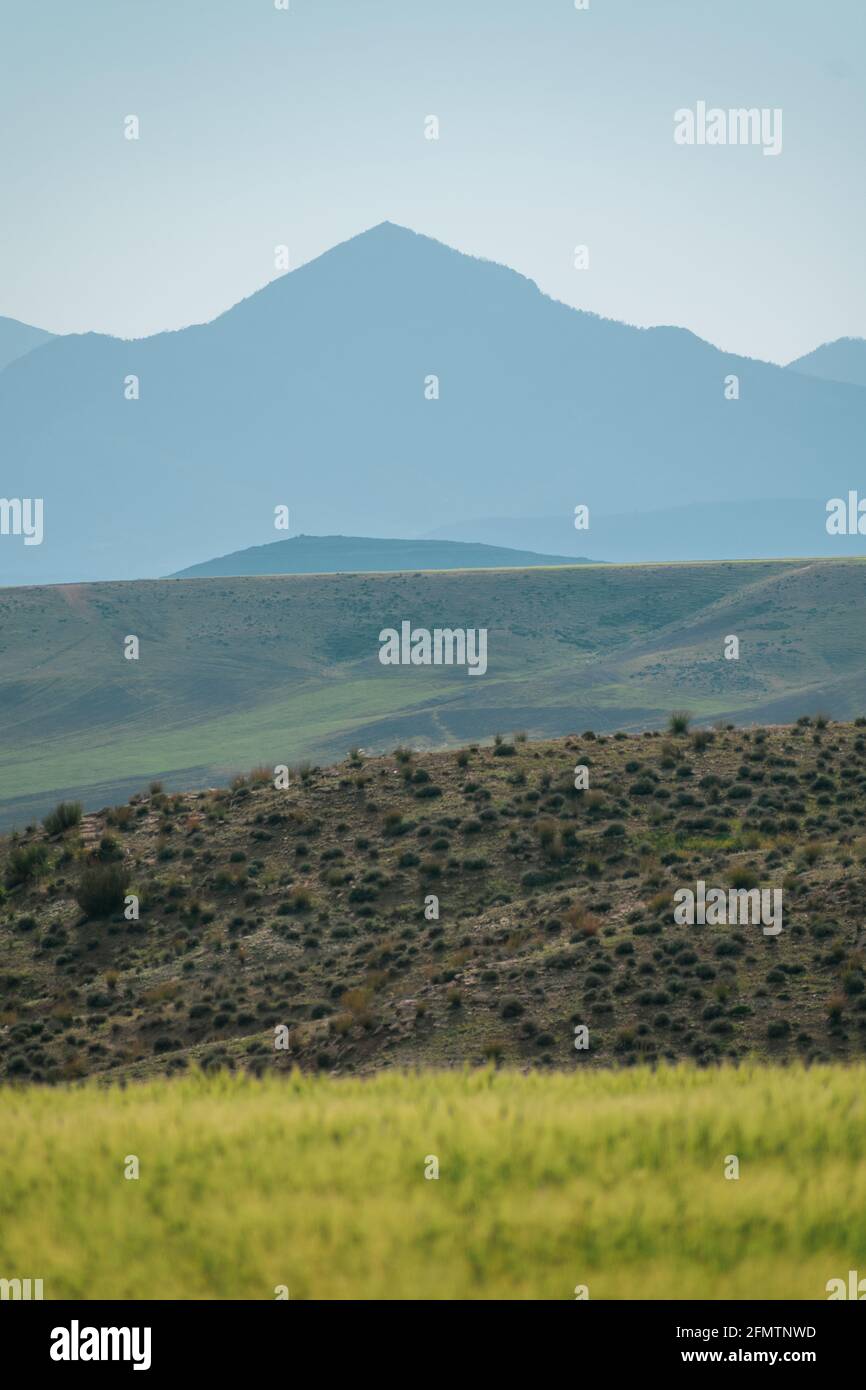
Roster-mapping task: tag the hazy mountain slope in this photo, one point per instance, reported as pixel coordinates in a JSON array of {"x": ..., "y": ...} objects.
[
  {"x": 842, "y": 360},
  {"x": 16, "y": 339},
  {"x": 234, "y": 672},
  {"x": 362, "y": 554},
  {"x": 721, "y": 530},
  {"x": 311, "y": 394}
]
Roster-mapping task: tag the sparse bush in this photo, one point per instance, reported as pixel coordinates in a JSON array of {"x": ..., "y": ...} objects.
[
  {"x": 25, "y": 864},
  {"x": 679, "y": 721},
  {"x": 63, "y": 817},
  {"x": 300, "y": 899},
  {"x": 123, "y": 817}
]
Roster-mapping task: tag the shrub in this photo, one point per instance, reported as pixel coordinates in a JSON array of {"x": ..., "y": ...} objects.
[
  {"x": 546, "y": 830},
  {"x": 109, "y": 849},
  {"x": 511, "y": 1008},
  {"x": 102, "y": 889},
  {"x": 25, "y": 864},
  {"x": 642, "y": 787},
  {"x": 64, "y": 815},
  {"x": 122, "y": 817},
  {"x": 679, "y": 722},
  {"x": 300, "y": 899},
  {"x": 739, "y": 792}
]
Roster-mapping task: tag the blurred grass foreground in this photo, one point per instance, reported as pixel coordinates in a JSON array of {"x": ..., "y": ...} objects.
[{"x": 315, "y": 1188}]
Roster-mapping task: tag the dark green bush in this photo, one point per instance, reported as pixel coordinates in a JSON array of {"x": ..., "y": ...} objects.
[{"x": 102, "y": 889}]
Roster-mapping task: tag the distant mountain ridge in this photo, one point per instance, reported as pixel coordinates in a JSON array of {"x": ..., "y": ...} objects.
[
  {"x": 16, "y": 339},
  {"x": 367, "y": 555},
  {"x": 317, "y": 393},
  {"x": 842, "y": 360},
  {"x": 725, "y": 530}
]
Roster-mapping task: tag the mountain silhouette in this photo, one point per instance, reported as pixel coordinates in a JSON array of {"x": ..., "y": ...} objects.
[
  {"x": 842, "y": 360},
  {"x": 368, "y": 555},
  {"x": 18, "y": 338},
  {"x": 310, "y": 394}
]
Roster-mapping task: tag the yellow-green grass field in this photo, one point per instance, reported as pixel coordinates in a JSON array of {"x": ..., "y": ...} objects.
[{"x": 610, "y": 1179}]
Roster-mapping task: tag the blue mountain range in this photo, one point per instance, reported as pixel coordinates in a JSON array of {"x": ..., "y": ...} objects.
[{"x": 317, "y": 394}]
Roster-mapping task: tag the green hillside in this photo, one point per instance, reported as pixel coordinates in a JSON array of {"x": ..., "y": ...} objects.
[{"x": 234, "y": 672}]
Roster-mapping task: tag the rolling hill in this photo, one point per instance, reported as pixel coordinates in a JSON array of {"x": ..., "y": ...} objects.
[
  {"x": 304, "y": 907},
  {"x": 313, "y": 394},
  {"x": 272, "y": 669},
  {"x": 367, "y": 555}
]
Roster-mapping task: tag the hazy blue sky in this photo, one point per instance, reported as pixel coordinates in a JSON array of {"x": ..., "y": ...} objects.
[{"x": 261, "y": 127}]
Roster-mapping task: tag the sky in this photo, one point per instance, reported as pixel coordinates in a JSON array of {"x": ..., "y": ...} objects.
[{"x": 262, "y": 127}]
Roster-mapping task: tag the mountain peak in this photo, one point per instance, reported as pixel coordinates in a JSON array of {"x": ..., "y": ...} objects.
[
  {"x": 388, "y": 226},
  {"x": 394, "y": 231}
]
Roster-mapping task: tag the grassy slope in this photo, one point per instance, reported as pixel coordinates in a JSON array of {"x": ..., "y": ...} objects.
[
  {"x": 278, "y": 668},
  {"x": 610, "y": 1180}
]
